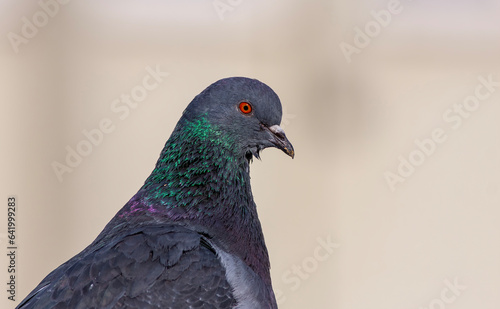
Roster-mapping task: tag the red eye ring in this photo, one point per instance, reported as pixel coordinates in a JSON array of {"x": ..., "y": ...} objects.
[{"x": 245, "y": 107}]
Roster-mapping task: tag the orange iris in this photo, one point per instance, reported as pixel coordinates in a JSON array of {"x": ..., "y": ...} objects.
[{"x": 245, "y": 107}]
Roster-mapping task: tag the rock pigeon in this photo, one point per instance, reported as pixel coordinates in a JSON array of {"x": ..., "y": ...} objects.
[{"x": 190, "y": 237}]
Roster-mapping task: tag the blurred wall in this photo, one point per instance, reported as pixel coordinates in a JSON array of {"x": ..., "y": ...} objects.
[{"x": 393, "y": 198}]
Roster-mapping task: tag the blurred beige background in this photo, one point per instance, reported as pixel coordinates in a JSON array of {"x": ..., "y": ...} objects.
[{"x": 428, "y": 238}]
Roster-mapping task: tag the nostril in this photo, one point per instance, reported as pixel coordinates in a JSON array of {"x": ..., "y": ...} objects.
[
  {"x": 277, "y": 131},
  {"x": 280, "y": 135}
]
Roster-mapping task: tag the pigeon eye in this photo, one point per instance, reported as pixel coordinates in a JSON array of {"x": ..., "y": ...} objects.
[{"x": 245, "y": 107}]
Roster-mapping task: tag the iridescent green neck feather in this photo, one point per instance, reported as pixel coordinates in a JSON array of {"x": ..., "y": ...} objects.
[{"x": 198, "y": 170}]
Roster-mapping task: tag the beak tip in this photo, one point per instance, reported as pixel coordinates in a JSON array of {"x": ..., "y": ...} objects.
[
  {"x": 280, "y": 140},
  {"x": 288, "y": 149}
]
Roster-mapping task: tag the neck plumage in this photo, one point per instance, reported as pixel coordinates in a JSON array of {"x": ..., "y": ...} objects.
[{"x": 200, "y": 181}]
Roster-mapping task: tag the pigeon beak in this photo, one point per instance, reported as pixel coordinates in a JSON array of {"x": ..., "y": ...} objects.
[{"x": 280, "y": 141}]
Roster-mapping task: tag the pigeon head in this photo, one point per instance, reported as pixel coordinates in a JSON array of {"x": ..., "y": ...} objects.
[{"x": 244, "y": 110}]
